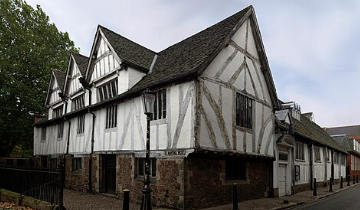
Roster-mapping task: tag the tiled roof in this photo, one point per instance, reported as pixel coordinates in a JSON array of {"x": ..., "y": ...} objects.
[
  {"x": 188, "y": 55},
  {"x": 60, "y": 78},
  {"x": 310, "y": 130},
  {"x": 353, "y": 130},
  {"x": 128, "y": 50},
  {"x": 346, "y": 143},
  {"x": 81, "y": 61}
]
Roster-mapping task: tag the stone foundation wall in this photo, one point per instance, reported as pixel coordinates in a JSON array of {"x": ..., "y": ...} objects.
[
  {"x": 206, "y": 185},
  {"x": 79, "y": 179}
]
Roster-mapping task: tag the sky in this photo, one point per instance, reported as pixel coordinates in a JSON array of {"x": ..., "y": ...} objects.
[{"x": 312, "y": 46}]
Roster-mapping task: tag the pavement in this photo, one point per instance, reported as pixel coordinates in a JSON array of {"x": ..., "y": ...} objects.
[{"x": 74, "y": 200}]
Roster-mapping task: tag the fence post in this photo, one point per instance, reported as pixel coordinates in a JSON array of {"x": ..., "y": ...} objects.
[
  {"x": 348, "y": 180},
  {"x": 353, "y": 179},
  {"x": 331, "y": 183},
  {"x": 341, "y": 182},
  {"x": 126, "y": 199},
  {"x": 235, "y": 197},
  {"x": 62, "y": 184},
  {"x": 314, "y": 191},
  {"x": 357, "y": 178}
]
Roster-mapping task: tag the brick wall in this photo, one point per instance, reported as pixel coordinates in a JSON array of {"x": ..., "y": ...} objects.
[
  {"x": 79, "y": 179},
  {"x": 206, "y": 184}
]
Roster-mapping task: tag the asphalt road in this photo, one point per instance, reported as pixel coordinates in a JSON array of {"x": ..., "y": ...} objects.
[{"x": 346, "y": 200}]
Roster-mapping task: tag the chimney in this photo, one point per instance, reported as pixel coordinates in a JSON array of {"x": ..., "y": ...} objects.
[
  {"x": 294, "y": 108},
  {"x": 37, "y": 116},
  {"x": 309, "y": 115}
]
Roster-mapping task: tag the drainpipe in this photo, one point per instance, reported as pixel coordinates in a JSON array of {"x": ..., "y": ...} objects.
[
  {"x": 311, "y": 166},
  {"x": 92, "y": 150}
]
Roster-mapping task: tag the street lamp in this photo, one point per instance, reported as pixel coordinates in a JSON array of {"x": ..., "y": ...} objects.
[{"x": 148, "y": 100}]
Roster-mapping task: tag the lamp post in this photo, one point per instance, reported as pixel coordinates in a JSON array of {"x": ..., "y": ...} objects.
[{"x": 148, "y": 100}]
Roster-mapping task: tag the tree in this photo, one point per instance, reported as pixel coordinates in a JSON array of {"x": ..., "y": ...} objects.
[{"x": 30, "y": 48}]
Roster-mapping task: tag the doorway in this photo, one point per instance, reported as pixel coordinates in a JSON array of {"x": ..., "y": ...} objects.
[{"x": 109, "y": 173}]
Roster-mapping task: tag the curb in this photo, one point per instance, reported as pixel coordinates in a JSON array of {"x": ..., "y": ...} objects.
[{"x": 291, "y": 204}]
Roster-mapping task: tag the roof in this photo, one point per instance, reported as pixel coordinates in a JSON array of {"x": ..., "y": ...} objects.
[
  {"x": 81, "y": 61},
  {"x": 347, "y": 143},
  {"x": 353, "y": 130},
  {"x": 128, "y": 50},
  {"x": 310, "y": 130},
  {"x": 60, "y": 78}
]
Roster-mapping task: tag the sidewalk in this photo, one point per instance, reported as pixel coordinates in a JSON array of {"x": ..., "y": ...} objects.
[{"x": 286, "y": 201}]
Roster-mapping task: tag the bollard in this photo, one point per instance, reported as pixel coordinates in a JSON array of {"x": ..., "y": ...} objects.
[
  {"x": 348, "y": 180},
  {"x": 353, "y": 179},
  {"x": 314, "y": 191},
  {"x": 341, "y": 182},
  {"x": 357, "y": 178},
  {"x": 126, "y": 199},
  {"x": 235, "y": 197},
  {"x": 331, "y": 183}
]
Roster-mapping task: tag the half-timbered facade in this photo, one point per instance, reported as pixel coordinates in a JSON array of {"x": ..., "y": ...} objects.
[{"x": 213, "y": 123}]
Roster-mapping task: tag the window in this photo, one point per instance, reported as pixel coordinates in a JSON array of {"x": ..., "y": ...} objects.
[
  {"x": 107, "y": 90},
  {"x": 317, "y": 154},
  {"x": 335, "y": 157},
  {"x": 140, "y": 165},
  {"x": 76, "y": 164},
  {"x": 58, "y": 111},
  {"x": 81, "y": 124},
  {"x": 235, "y": 169},
  {"x": 299, "y": 151},
  {"x": 77, "y": 103},
  {"x": 53, "y": 163},
  {"x": 327, "y": 154},
  {"x": 160, "y": 105},
  {"x": 43, "y": 133},
  {"x": 60, "y": 130},
  {"x": 283, "y": 156},
  {"x": 343, "y": 159},
  {"x": 244, "y": 107},
  {"x": 111, "y": 116}
]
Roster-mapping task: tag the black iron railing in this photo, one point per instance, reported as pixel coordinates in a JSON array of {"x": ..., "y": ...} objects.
[{"x": 46, "y": 185}]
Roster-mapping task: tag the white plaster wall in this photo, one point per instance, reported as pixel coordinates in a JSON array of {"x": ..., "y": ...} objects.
[
  {"x": 319, "y": 167},
  {"x": 52, "y": 145},
  {"x": 130, "y": 133},
  {"x": 80, "y": 143},
  {"x": 304, "y": 168},
  {"x": 233, "y": 71}
]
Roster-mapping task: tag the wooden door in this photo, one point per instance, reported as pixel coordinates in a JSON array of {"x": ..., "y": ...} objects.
[{"x": 109, "y": 177}]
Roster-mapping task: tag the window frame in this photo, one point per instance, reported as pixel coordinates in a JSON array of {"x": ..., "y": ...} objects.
[
  {"x": 78, "y": 102},
  {"x": 43, "y": 134},
  {"x": 140, "y": 166},
  {"x": 317, "y": 155},
  {"x": 76, "y": 164},
  {"x": 58, "y": 111},
  {"x": 299, "y": 154},
  {"x": 60, "y": 130},
  {"x": 244, "y": 107},
  {"x": 107, "y": 90},
  {"x": 160, "y": 106},
  {"x": 80, "y": 124},
  {"x": 111, "y": 116}
]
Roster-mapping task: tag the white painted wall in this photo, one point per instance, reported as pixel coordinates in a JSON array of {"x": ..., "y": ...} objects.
[
  {"x": 52, "y": 144},
  {"x": 230, "y": 72}
]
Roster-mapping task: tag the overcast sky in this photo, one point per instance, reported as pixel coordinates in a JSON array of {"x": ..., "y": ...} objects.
[{"x": 313, "y": 49}]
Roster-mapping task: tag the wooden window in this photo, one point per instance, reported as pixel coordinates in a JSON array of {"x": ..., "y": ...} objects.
[
  {"x": 140, "y": 167},
  {"x": 343, "y": 159},
  {"x": 58, "y": 112},
  {"x": 81, "y": 124},
  {"x": 43, "y": 133},
  {"x": 60, "y": 130},
  {"x": 76, "y": 164},
  {"x": 111, "y": 116},
  {"x": 317, "y": 154},
  {"x": 160, "y": 105},
  {"x": 244, "y": 110},
  {"x": 299, "y": 151},
  {"x": 77, "y": 103},
  {"x": 327, "y": 154},
  {"x": 53, "y": 163},
  {"x": 107, "y": 90},
  {"x": 283, "y": 156},
  {"x": 235, "y": 169}
]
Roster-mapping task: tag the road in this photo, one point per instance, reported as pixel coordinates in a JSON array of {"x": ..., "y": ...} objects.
[{"x": 346, "y": 200}]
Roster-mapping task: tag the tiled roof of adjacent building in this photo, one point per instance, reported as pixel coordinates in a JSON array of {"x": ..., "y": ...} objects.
[
  {"x": 310, "y": 130},
  {"x": 81, "y": 61},
  {"x": 353, "y": 130},
  {"x": 347, "y": 143}
]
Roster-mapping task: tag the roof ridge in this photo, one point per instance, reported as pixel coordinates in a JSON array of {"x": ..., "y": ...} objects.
[
  {"x": 74, "y": 53},
  {"x": 103, "y": 27},
  {"x": 213, "y": 25}
]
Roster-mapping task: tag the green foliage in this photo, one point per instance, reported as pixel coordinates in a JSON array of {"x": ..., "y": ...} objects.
[{"x": 30, "y": 48}]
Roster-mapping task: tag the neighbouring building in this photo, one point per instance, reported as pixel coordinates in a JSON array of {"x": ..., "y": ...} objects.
[
  {"x": 304, "y": 151},
  {"x": 214, "y": 121},
  {"x": 353, "y": 159}
]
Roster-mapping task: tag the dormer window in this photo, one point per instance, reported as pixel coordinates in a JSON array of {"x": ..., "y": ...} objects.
[
  {"x": 160, "y": 105},
  {"x": 58, "y": 112},
  {"x": 107, "y": 90}
]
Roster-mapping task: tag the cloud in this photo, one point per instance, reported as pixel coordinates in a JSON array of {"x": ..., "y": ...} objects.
[{"x": 313, "y": 48}]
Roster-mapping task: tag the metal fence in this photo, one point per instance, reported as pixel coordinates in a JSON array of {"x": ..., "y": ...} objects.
[{"x": 46, "y": 185}]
